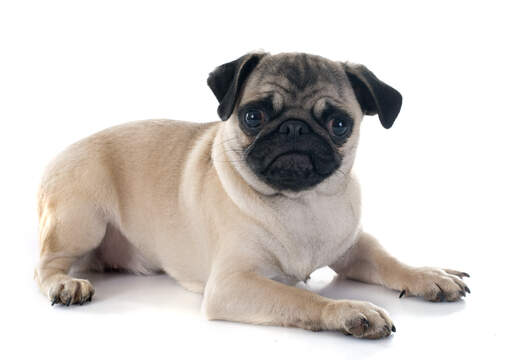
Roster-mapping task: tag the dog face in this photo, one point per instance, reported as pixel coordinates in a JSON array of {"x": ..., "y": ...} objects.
[{"x": 295, "y": 117}]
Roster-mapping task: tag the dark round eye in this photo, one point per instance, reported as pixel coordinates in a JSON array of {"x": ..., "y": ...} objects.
[
  {"x": 338, "y": 125},
  {"x": 254, "y": 118}
]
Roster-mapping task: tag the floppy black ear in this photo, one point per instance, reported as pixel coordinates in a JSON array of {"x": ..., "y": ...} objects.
[
  {"x": 227, "y": 80},
  {"x": 374, "y": 96}
]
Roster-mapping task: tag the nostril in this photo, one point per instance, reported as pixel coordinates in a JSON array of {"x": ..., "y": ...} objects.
[
  {"x": 294, "y": 128},
  {"x": 284, "y": 128}
]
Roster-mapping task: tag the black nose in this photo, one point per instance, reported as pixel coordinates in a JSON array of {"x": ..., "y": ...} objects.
[{"x": 294, "y": 128}]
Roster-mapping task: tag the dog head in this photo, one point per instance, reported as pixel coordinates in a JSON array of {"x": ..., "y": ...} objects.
[{"x": 294, "y": 118}]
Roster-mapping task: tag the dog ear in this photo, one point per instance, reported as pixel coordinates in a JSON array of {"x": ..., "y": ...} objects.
[
  {"x": 374, "y": 96},
  {"x": 227, "y": 80}
]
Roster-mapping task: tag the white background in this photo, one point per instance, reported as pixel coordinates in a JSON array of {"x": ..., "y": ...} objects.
[{"x": 436, "y": 187}]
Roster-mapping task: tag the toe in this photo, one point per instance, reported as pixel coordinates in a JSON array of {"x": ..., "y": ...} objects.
[
  {"x": 460, "y": 274},
  {"x": 358, "y": 325},
  {"x": 54, "y": 293},
  {"x": 380, "y": 324}
]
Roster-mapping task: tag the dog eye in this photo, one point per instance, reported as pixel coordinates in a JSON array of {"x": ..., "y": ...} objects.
[
  {"x": 254, "y": 118},
  {"x": 338, "y": 126}
]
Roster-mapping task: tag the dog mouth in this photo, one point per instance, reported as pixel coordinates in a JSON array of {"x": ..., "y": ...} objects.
[
  {"x": 293, "y": 160},
  {"x": 292, "y": 170},
  {"x": 294, "y": 166}
]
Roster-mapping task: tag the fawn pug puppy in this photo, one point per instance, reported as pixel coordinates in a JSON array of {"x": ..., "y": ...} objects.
[{"x": 239, "y": 210}]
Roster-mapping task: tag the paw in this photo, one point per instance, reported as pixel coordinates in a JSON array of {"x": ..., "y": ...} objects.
[
  {"x": 69, "y": 291},
  {"x": 436, "y": 284},
  {"x": 358, "y": 318}
]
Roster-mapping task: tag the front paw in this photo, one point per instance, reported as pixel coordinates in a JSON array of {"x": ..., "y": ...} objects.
[
  {"x": 67, "y": 291},
  {"x": 435, "y": 284},
  {"x": 358, "y": 318}
]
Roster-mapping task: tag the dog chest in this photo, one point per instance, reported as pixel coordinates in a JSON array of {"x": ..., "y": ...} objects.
[{"x": 314, "y": 232}]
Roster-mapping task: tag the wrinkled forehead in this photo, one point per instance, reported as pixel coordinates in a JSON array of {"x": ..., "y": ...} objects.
[{"x": 297, "y": 79}]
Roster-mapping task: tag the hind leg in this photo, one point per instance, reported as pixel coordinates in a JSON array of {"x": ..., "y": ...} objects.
[{"x": 67, "y": 233}]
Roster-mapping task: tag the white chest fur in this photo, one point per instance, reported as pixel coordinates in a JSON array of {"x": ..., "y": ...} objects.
[{"x": 314, "y": 230}]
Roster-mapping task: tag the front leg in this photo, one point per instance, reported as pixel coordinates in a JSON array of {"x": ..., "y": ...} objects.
[
  {"x": 367, "y": 261},
  {"x": 245, "y": 296}
]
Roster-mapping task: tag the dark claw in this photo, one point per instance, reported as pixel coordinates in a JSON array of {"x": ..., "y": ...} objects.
[
  {"x": 83, "y": 300},
  {"x": 465, "y": 274},
  {"x": 393, "y": 328},
  {"x": 54, "y": 300},
  {"x": 462, "y": 293},
  {"x": 440, "y": 296},
  {"x": 68, "y": 302},
  {"x": 401, "y": 294},
  {"x": 461, "y": 288},
  {"x": 365, "y": 323},
  {"x": 467, "y": 290}
]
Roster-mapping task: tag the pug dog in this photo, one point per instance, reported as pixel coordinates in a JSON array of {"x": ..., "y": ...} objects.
[{"x": 241, "y": 209}]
